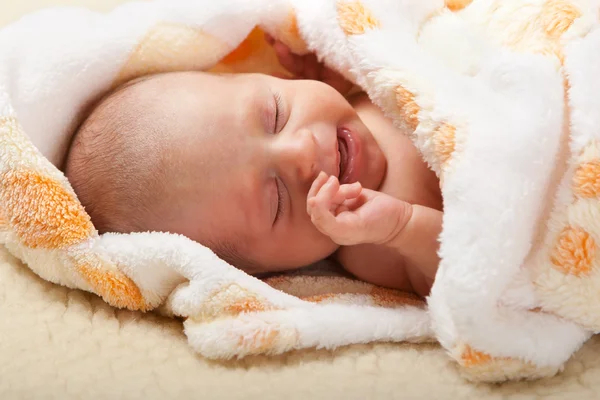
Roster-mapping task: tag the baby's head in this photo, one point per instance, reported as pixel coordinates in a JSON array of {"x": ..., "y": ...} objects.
[{"x": 226, "y": 160}]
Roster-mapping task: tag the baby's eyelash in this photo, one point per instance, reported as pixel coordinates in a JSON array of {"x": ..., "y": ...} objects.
[
  {"x": 278, "y": 108},
  {"x": 280, "y": 202}
]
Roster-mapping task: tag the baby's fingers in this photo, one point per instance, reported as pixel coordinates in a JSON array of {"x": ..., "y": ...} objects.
[
  {"x": 317, "y": 185},
  {"x": 347, "y": 192},
  {"x": 350, "y": 205},
  {"x": 343, "y": 228},
  {"x": 320, "y": 207},
  {"x": 327, "y": 193}
]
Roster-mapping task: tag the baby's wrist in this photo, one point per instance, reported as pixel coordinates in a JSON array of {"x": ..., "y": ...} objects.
[{"x": 401, "y": 218}]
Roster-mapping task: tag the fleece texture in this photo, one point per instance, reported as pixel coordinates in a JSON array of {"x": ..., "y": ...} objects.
[
  {"x": 499, "y": 96},
  {"x": 64, "y": 344}
]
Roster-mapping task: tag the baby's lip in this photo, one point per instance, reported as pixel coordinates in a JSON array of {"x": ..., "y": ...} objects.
[
  {"x": 350, "y": 164},
  {"x": 337, "y": 168}
]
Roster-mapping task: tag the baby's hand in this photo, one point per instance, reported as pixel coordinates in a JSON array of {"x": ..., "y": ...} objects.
[
  {"x": 351, "y": 214},
  {"x": 308, "y": 67}
]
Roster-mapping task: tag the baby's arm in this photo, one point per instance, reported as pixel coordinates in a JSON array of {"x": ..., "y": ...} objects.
[
  {"x": 351, "y": 215},
  {"x": 418, "y": 240}
]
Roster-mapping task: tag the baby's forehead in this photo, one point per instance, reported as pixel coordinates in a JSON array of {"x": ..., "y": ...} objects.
[{"x": 207, "y": 96}]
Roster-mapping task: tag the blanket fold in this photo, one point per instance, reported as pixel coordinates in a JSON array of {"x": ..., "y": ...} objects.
[{"x": 498, "y": 95}]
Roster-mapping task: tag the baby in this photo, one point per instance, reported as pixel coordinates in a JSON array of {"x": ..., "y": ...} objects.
[{"x": 271, "y": 174}]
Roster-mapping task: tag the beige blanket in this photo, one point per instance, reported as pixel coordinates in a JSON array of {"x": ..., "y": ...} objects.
[{"x": 63, "y": 344}]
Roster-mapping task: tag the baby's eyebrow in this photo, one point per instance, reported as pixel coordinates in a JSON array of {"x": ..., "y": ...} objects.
[{"x": 262, "y": 106}]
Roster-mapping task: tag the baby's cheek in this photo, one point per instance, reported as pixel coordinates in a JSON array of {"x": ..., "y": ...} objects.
[
  {"x": 306, "y": 246},
  {"x": 322, "y": 244},
  {"x": 326, "y": 102}
]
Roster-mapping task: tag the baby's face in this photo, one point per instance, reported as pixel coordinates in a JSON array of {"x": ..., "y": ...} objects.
[{"x": 245, "y": 152}]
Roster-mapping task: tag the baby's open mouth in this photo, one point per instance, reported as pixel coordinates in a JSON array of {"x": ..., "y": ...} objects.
[
  {"x": 349, "y": 149},
  {"x": 343, "y": 150}
]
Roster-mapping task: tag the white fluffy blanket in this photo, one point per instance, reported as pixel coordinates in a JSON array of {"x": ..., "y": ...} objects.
[{"x": 498, "y": 95}]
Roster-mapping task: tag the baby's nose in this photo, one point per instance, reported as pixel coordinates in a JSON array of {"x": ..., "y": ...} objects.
[{"x": 298, "y": 156}]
